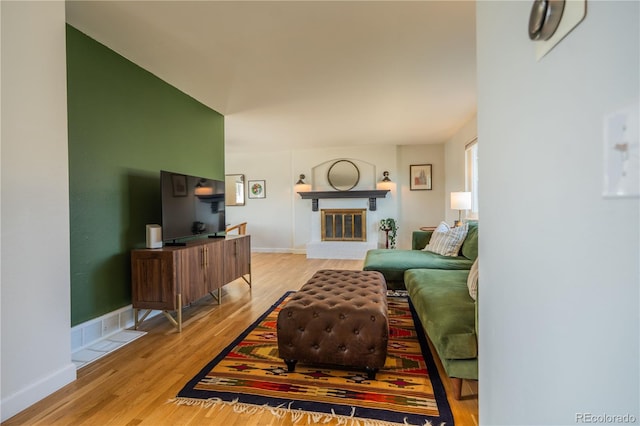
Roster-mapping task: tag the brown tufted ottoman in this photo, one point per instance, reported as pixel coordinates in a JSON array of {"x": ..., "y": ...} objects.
[{"x": 337, "y": 318}]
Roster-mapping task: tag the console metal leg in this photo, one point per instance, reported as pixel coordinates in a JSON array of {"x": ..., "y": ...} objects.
[
  {"x": 177, "y": 323},
  {"x": 138, "y": 321}
]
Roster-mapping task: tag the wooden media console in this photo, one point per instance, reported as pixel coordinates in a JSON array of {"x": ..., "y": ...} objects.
[{"x": 170, "y": 278}]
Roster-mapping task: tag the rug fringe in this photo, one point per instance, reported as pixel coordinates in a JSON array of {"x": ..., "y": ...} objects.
[{"x": 297, "y": 416}]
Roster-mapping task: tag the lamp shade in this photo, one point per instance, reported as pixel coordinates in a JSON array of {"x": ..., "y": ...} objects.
[{"x": 460, "y": 200}]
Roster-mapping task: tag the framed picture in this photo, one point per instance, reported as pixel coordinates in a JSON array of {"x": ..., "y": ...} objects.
[
  {"x": 257, "y": 189},
  {"x": 179, "y": 183},
  {"x": 420, "y": 176}
]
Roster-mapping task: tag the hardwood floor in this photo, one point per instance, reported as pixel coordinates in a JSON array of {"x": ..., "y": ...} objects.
[{"x": 132, "y": 385}]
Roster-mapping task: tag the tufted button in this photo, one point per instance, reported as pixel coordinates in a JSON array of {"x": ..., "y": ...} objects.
[
  {"x": 316, "y": 346},
  {"x": 342, "y": 316},
  {"x": 328, "y": 329},
  {"x": 289, "y": 314},
  {"x": 315, "y": 315},
  {"x": 356, "y": 331},
  {"x": 373, "y": 318},
  {"x": 301, "y": 328},
  {"x": 342, "y": 348}
]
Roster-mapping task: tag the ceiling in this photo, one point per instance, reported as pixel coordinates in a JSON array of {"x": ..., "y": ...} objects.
[{"x": 304, "y": 74}]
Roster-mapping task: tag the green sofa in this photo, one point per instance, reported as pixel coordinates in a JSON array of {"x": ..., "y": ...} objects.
[
  {"x": 448, "y": 314},
  {"x": 393, "y": 263},
  {"x": 437, "y": 287}
]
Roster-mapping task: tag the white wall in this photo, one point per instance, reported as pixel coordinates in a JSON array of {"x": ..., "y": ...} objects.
[
  {"x": 425, "y": 207},
  {"x": 560, "y": 269},
  {"x": 303, "y": 161},
  {"x": 281, "y": 222},
  {"x": 269, "y": 220},
  {"x": 36, "y": 348},
  {"x": 455, "y": 164}
]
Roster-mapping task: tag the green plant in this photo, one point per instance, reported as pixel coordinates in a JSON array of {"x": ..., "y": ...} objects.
[{"x": 390, "y": 228}]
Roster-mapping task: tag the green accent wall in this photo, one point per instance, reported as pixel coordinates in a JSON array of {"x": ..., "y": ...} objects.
[{"x": 125, "y": 125}]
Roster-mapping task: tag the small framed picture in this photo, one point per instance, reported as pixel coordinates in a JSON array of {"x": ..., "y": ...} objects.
[
  {"x": 257, "y": 189},
  {"x": 179, "y": 183},
  {"x": 420, "y": 175}
]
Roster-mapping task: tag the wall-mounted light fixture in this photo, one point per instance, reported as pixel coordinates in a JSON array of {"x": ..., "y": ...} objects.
[
  {"x": 202, "y": 189},
  {"x": 301, "y": 185},
  {"x": 385, "y": 183}
]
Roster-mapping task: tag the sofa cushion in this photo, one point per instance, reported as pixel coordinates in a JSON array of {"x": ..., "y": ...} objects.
[
  {"x": 470, "y": 246},
  {"x": 472, "y": 280},
  {"x": 393, "y": 263},
  {"x": 447, "y": 312},
  {"x": 447, "y": 241}
]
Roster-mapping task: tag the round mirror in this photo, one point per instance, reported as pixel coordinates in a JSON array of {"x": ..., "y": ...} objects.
[{"x": 343, "y": 175}]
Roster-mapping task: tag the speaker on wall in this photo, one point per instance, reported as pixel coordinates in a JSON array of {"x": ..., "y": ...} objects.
[{"x": 154, "y": 236}]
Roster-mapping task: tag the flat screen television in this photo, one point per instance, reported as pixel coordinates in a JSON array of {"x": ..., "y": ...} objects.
[{"x": 192, "y": 206}]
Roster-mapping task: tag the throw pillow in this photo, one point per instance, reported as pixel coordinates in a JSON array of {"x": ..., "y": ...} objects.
[
  {"x": 447, "y": 241},
  {"x": 470, "y": 246},
  {"x": 472, "y": 280}
]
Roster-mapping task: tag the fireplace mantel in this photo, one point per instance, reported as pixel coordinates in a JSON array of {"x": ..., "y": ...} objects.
[{"x": 314, "y": 196}]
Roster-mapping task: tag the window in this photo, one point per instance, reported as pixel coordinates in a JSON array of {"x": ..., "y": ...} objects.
[{"x": 471, "y": 175}]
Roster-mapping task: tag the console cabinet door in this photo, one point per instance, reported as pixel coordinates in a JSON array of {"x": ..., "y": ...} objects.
[
  {"x": 153, "y": 279},
  {"x": 214, "y": 266},
  {"x": 243, "y": 256},
  {"x": 192, "y": 282},
  {"x": 237, "y": 258}
]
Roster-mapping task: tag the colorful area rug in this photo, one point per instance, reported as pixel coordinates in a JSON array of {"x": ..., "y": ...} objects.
[{"x": 249, "y": 375}]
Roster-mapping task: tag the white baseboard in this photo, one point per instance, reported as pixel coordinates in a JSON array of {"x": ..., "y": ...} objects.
[
  {"x": 34, "y": 392},
  {"x": 97, "y": 329},
  {"x": 279, "y": 250},
  {"x": 273, "y": 250},
  {"x": 82, "y": 336},
  {"x": 89, "y": 332}
]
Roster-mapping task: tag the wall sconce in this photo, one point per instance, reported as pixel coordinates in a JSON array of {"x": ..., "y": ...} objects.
[
  {"x": 460, "y": 201},
  {"x": 385, "y": 183},
  {"x": 301, "y": 186},
  {"x": 202, "y": 190}
]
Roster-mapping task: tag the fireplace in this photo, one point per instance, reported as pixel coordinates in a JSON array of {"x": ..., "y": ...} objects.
[{"x": 343, "y": 225}]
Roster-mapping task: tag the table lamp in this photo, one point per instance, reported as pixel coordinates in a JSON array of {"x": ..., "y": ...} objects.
[{"x": 460, "y": 201}]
